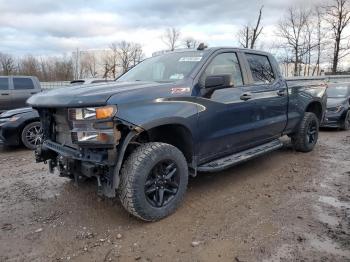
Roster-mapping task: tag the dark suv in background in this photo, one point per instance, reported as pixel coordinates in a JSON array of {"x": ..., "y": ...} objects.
[
  {"x": 338, "y": 106},
  {"x": 15, "y": 90}
]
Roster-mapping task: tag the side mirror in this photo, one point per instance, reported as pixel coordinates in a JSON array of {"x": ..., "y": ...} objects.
[{"x": 219, "y": 81}]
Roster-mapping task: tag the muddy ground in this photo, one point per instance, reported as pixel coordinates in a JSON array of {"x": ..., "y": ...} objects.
[{"x": 284, "y": 206}]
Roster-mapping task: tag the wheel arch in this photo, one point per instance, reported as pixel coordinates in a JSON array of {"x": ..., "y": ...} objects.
[
  {"x": 316, "y": 108},
  {"x": 177, "y": 135}
]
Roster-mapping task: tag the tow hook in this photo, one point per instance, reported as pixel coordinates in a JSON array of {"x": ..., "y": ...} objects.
[
  {"x": 52, "y": 166},
  {"x": 99, "y": 186}
]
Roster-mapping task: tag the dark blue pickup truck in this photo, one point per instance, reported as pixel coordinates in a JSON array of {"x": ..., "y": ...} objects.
[{"x": 172, "y": 116}]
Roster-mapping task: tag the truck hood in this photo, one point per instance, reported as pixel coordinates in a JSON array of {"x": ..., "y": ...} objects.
[{"x": 91, "y": 95}]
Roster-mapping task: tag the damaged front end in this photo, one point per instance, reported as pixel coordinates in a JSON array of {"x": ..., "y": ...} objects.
[{"x": 85, "y": 142}]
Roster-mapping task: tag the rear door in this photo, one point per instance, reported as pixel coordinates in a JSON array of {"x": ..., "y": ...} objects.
[
  {"x": 5, "y": 94},
  {"x": 269, "y": 92},
  {"x": 23, "y": 88}
]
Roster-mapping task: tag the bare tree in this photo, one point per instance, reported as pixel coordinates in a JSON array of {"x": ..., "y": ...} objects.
[
  {"x": 171, "y": 38},
  {"x": 257, "y": 30},
  {"x": 137, "y": 55},
  {"x": 190, "y": 42},
  {"x": 308, "y": 46},
  {"x": 7, "y": 64},
  {"x": 320, "y": 35},
  {"x": 88, "y": 65},
  {"x": 122, "y": 55},
  {"x": 248, "y": 36},
  {"x": 63, "y": 69},
  {"x": 338, "y": 17},
  {"x": 292, "y": 29},
  {"x": 110, "y": 62},
  {"x": 29, "y": 65},
  {"x": 129, "y": 54},
  {"x": 244, "y": 36}
]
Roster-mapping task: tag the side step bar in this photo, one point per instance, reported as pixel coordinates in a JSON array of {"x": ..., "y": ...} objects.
[{"x": 228, "y": 161}]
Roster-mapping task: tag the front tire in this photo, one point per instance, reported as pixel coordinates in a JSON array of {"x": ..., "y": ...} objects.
[
  {"x": 153, "y": 181},
  {"x": 346, "y": 123},
  {"x": 31, "y": 135},
  {"x": 305, "y": 139}
]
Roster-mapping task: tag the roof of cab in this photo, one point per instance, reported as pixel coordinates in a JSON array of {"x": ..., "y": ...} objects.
[{"x": 214, "y": 49}]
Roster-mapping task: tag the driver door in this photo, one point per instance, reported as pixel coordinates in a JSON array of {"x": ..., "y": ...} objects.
[{"x": 227, "y": 123}]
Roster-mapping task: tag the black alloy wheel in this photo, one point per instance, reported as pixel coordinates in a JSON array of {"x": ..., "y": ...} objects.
[
  {"x": 312, "y": 132},
  {"x": 162, "y": 183},
  {"x": 153, "y": 181}
]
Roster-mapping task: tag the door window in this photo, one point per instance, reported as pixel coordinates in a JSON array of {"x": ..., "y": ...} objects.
[
  {"x": 20, "y": 83},
  {"x": 226, "y": 63},
  {"x": 261, "y": 69},
  {"x": 4, "y": 83}
]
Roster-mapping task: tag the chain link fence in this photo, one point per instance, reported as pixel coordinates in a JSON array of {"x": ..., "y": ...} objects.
[{"x": 326, "y": 78}]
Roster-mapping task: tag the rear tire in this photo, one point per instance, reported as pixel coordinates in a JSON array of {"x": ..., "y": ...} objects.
[
  {"x": 346, "y": 124},
  {"x": 31, "y": 135},
  {"x": 305, "y": 139},
  {"x": 153, "y": 181}
]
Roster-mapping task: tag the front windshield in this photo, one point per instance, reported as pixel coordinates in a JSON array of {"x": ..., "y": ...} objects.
[
  {"x": 165, "y": 68},
  {"x": 337, "y": 91}
]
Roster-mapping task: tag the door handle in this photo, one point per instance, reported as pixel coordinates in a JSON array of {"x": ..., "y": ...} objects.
[
  {"x": 246, "y": 96},
  {"x": 4, "y": 94},
  {"x": 281, "y": 92}
]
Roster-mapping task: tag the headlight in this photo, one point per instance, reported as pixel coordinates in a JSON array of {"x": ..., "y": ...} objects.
[
  {"x": 9, "y": 119},
  {"x": 92, "y": 113},
  {"x": 335, "y": 109},
  {"x": 104, "y": 137},
  {"x": 339, "y": 108},
  {"x": 14, "y": 118}
]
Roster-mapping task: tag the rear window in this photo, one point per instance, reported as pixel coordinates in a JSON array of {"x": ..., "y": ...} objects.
[
  {"x": 4, "y": 83},
  {"x": 22, "y": 83},
  {"x": 261, "y": 69}
]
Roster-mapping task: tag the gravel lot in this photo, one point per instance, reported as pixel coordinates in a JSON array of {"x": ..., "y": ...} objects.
[{"x": 284, "y": 206}]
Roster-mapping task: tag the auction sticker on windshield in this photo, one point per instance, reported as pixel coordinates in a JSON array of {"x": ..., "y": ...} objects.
[{"x": 190, "y": 59}]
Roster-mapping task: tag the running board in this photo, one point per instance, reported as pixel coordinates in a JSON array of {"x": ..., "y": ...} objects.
[{"x": 228, "y": 161}]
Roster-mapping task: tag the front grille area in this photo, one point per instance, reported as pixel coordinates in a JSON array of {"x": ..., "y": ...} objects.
[{"x": 63, "y": 129}]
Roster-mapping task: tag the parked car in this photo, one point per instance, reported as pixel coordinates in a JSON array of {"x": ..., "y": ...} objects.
[
  {"x": 20, "y": 126},
  {"x": 338, "y": 106},
  {"x": 171, "y": 116},
  {"x": 15, "y": 90}
]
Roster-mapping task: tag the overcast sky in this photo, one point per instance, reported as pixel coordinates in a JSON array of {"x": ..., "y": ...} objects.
[{"x": 52, "y": 27}]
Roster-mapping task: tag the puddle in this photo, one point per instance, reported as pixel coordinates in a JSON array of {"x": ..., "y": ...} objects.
[
  {"x": 334, "y": 202},
  {"x": 324, "y": 217},
  {"x": 283, "y": 252},
  {"x": 329, "y": 247},
  {"x": 323, "y": 185}
]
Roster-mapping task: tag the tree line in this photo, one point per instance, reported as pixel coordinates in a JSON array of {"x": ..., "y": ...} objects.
[
  {"x": 307, "y": 38},
  {"x": 109, "y": 63}
]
